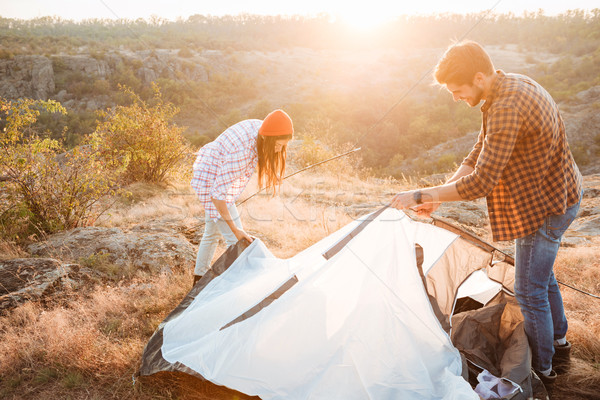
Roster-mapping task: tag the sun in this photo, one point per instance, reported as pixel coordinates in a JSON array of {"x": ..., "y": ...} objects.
[{"x": 364, "y": 19}]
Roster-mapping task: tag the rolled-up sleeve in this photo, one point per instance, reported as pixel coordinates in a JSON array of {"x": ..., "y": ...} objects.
[{"x": 496, "y": 148}]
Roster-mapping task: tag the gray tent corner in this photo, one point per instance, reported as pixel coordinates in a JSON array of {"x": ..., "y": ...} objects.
[{"x": 152, "y": 359}]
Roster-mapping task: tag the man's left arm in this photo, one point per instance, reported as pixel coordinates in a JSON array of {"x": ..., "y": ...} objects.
[
  {"x": 503, "y": 131},
  {"x": 435, "y": 194}
]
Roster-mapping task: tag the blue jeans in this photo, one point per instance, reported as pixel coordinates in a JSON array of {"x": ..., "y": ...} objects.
[
  {"x": 210, "y": 239},
  {"x": 536, "y": 288}
]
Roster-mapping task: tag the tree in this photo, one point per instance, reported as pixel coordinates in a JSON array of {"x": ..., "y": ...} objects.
[{"x": 142, "y": 137}]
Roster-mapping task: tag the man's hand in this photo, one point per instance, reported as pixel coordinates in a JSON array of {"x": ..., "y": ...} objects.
[
  {"x": 425, "y": 210},
  {"x": 431, "y": 197},
  {"x": 407, "y": 200},
  {"x": 404, "y": 200}
]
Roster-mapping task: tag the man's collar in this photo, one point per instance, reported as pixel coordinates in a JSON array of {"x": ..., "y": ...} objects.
[{"x": 500, "y": 75}]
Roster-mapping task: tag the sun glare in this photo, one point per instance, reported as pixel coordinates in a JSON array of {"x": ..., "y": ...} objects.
[{"x": 364, "y": 20}]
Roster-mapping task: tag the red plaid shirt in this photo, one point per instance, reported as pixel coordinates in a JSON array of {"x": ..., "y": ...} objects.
[
  {"x": 522, "y": 161},
  {"x": 224, "y": 166}
]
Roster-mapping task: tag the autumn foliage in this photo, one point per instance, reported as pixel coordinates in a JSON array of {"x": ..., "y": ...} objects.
[
  {"x": 43, "y": 188},
  {"x": 142, "y": 137}
]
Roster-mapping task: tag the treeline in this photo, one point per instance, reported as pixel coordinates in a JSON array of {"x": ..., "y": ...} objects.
[{"x": 574, "y": 32}]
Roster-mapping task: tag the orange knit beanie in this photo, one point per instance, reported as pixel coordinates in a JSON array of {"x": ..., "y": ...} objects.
[{"x": 277, "y": 123}]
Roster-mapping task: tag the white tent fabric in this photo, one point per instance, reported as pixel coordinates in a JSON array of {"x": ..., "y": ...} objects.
[
  {"x": 479, "y": 287},
  {"x": 356, "y": 326}
]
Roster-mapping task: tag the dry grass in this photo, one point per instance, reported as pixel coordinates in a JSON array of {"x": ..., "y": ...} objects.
[
  {"x": 89, "y": 347},
  {"x": 580, "y": 267},
  {"x": 93, "y": 345},
  {"x": 10, "y": 250},
  {"x": 151, "y": 202}
]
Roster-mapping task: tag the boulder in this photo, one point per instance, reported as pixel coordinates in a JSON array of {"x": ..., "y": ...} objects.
[
  {"x": 94, "y": 104},
  {"x": 585, "y": 227},
  {"x": 591, "y": 193},
  {"x": 151, "y": 251},
  {"x": 62, "y": 96},
  {"x": 24, "y": 279},
  {"x": 470, "y": 213},
  {"x": 572, "y": 241},
  {"x": 589, "y": 96}
]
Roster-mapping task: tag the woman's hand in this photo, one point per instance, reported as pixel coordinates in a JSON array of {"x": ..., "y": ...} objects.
[{"x": 240, "y": 234}]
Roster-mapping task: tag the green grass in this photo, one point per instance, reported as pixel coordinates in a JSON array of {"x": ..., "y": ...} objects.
[
  {"x": 73, "y": 380},
  {"x": 45, "y": 375}
]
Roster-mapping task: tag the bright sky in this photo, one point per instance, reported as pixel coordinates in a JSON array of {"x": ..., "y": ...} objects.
[{"x": 367, "y": 12}]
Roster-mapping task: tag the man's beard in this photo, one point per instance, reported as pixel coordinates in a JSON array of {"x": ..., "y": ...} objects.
[{"x": 476, "y": 99}]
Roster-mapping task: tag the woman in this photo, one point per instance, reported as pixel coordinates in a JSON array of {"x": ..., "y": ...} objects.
[{"x": 224, "y": 167}]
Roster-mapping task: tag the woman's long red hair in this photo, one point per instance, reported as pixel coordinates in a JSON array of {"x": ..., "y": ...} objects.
[{"x": 271, "y": 165}]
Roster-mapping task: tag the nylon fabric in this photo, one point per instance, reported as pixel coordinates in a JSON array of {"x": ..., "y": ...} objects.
[{"x": 357, "y": 326}]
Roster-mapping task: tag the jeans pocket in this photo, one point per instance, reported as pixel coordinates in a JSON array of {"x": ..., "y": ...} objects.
[{"x": 556, "y": 225}]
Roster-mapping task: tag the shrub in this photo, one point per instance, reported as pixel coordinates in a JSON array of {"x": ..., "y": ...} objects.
[
  {"x": 313, "y": 150},
  {"x": 198, "y": 140},
  {"x": 6, "y": 55},
  {"x": 101, "y": 87},
  {"x": 125, "y": 75},
  {"x": 142, "y": 137},
  {"x": 580, "y": 153},
  {"x": 447, "y": 162},
  {"x": 185, "y": 52},
  {"x": 44, "y": 189}
]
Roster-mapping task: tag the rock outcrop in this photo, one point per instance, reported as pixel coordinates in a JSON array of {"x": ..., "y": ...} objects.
[
  {"x": 87, "y": 65},
  {"x": 26, "y": 279},
  {"x": 33, "y": 76},
  {"x": 27, "y": 76},
  {"x": 152, "y": 251},
  {"x": 161, "y": 63}
]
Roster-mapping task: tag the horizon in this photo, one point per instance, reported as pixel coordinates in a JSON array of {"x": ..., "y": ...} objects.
[{"x": 361, "y": 15}]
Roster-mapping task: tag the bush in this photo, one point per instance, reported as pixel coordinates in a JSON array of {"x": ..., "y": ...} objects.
[
  {"x": 143, "y": 138},
  {"x": 446, "y": 162},
  {"x": 198, "y": 140},
  {"x": 124, "y": 75},
  {"x": 580, "y": 153},
  {"x": 185, "y": 52},
  {"x": 313, "y": 150},
  {"x": 6, "y": 55},
  {"x": 44, "y": 189}
]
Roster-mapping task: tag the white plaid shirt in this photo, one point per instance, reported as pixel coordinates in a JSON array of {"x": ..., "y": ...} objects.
[{"x": 224, "y": 166}]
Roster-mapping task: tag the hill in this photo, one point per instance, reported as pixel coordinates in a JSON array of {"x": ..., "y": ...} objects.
[
  {"x": 336, "y": 84},
  {"x": 79, "y": 305}
]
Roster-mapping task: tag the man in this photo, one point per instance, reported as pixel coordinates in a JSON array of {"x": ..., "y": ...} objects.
[{"x": 523, "y": 166}]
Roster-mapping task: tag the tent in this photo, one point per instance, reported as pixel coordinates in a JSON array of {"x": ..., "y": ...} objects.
[{"x": 385, "y": 308}]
